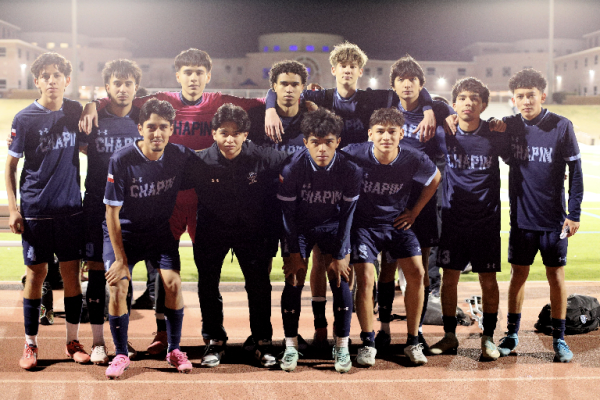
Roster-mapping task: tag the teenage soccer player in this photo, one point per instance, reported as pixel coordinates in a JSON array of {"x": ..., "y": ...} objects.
[
  {"x": 543, "y": 144},
  {"x": 117, "y": 128},
  {"x": 234, "y": 180},
  {"x": 408, "y": 79},
  {"x": 318, "y": 192},
  {"x": 194, "y": 111},
  {"x": 382, "y": 223},
  {"x": 470, "y": 211},
  {"x": 143, "y": 181},
  {"x": 50, "y": 217},
  {"x": 355, "y": 106}
]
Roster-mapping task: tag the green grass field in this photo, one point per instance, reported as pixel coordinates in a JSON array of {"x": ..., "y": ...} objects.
[{"x": 584, "y": 258}]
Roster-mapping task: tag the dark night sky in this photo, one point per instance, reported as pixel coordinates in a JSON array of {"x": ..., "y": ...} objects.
[{"x": 427, "y": 29}]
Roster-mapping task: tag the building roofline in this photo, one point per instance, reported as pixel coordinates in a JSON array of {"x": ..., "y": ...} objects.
[
  {"x": 579, "y": 53},
  {"x": 590, "y": 34},
  {"x": 9, "y": 24}
]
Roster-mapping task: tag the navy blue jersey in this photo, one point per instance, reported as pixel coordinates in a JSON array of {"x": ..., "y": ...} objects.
[
  {"x": 112, "y": 134},
  {"x": 146, "y": 190},
  {"x": 540, "y": 151},
  {"x": 386, "y": 188},
  {"x": 471, "y": 184},
  {"x": 292, "y": 139},
  {"x": 355, "y": 110},
  {"x": 50, "y": 141},
  {"x": 314, "y": 196},
  {"x": 413, "y": 118}
]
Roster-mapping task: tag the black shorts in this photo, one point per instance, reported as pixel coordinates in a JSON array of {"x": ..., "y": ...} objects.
[
  {"x": 44, "y": 238},
  {"x": 523, "y": 245},
  {"x": 322, "y": 236},
  {"x": 479, "y": 245},
  {"x": 161, "y": 250},
  {"x": 426, "y": 225},
  {"x": 367, "y": 243}
]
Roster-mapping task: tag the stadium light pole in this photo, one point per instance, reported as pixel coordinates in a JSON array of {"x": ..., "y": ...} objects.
[
  {"x": 74, "y": 84},
  {"x": 551, "y": 53}
]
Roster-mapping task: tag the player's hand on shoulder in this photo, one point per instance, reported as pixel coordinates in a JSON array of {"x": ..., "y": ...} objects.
[
  {"x": 405, "y": 220},
  {"x": 340, "y": 269},
  {"x": 117, "y": 271},
  {"x": 273, "y": 125},
  {"x": 15, "y": 222},
  {"x": 450, "y": 124},
  {"x": 89, "y": 118},
  {"x": 314, "y": 86},
  {"x": 427, "y": 126},
  {"x": 497, "y": 125},
  {"x": 310, "y": 106}
]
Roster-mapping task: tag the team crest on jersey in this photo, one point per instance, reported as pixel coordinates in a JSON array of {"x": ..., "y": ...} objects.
[
  {"x": 31, "y": 254},
  {"x": 111, "y": 179},
  {"x": 252, "y": 178}
]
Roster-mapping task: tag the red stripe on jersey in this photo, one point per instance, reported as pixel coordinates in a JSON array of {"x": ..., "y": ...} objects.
[{"x": 13, "y": 132}]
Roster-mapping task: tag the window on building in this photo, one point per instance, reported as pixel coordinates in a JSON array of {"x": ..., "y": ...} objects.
[
  {"x": 565, "y": 67},
  {"x": 266, "y": 49},
  {"x": 276, "y": 48},
  {"x": 430, "y": 71},
  {"x": 293, "y": 47},
  {"x": 325, "y": 49},
  {"x": 505, "y": 71},
  {"x": 2, "y": 83},
  {"x": 81, "y": 66},
  {"x": 2, "y": 51},
  {"x": 310, "y": 47},
  {"x": 19, "y": 84},
  {"x": 239, "y": 70},
  {"x": 585, "y": 62},
  {"x": 266, "y": 73},
  {"x": 489, "y": 72},
  {"x": 50, "y": 45},
  {"x": 228, "y": 69},
  {"x": 368, "y": 71},
  {"x": 585, "y": 91},
  {"x": 64, "y": 45},
  {"x": 379, "y": 71},
  {"x": 145, "y": 67},
  {"x": 461, "y": 71}
]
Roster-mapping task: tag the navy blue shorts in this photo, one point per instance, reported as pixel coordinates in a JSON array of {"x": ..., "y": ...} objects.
[
  {"x": 479, "y": 246},
  {"x": 322, "y": 236},
  {"x": 162, "y": 252},
  {"x": 523, "y": 245},
  {"x": 94, "y": 212},
  {"x": 426, "y": 225},
  {"x": 367, "y": 243},
  {"x": 44, "y": 238}
]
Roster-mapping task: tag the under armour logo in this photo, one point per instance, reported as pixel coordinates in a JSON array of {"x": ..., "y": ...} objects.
[
  {"x": 43, "y": 131},
  {"x": 94, "y": 301},
  {"x": 291, "y": 311},
  {"x": 252, "y": 178},
  {"x": 561, "y": 259},
  {"x": 214, "y": 180},
  {"x": 104, "y": 132},
  {"x": 490, "y": 266},
  {"x": 343, "y": 308}
]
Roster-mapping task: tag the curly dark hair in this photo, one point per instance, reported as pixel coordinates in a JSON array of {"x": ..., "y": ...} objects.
[
  {"x": 194, "y": 58},
  {"x": 321, "y": 123},
  {"x": 387, "y": 116},
  {"x": 230, "y": 113},
  {"x": 406, "y": 67},
  {"x": 473, "y": 85},
  {"x": 121, "y": 69},
  {"x": 527, "y": 78},
  {"x": 162, "y": 108},
  {"x": 288, "y": 67},
  {"x": 50, "y": 58}
]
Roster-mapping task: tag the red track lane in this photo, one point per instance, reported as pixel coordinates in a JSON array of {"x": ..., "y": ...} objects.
[{"x": 530, "y": 374}]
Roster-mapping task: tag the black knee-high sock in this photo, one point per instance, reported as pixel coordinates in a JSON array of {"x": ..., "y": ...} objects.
[
  {"x": 95, "y": 296},
  {"x": 159, "y": 305},
  {"x": 342, "y": 308},
  {"x": 425, "y": 302},
  {"x": 31, "y": 314},
  {"x": 489, "y": 323},
  {"x": 514, "y": 323},
  {"x": 118, "y": 328},
  {"x": 129, "y": 296},
  {"x": 385, "y": 298},
  {"x": 291, "y": 299},
  {"x": 318, "y": 308},
  {"x": 73, "y": 308}
]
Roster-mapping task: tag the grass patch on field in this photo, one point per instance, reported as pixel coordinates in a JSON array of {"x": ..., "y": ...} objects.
[{"x": 585, "y": 118}]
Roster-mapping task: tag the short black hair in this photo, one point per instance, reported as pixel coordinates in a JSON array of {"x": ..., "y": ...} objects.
[
  {"x": 406, "y": 67},
  {"x": 288, "y": 67},
  {"x": 162, "y": 108},
  {"x": 527, "y": 78},
  {"x": 50, "y": 58},
  {"x": 230, "y": 113},
  {"x": 321, "y": 123},
  {"x": 193, "y": 58},
  {"x": 387, "y": 116},
  {"x": 473, "y": 85},
  {"x": 121, "y": 69}
]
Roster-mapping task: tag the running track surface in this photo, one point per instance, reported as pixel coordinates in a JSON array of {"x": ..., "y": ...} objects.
[{"x": 530, "y": 374}]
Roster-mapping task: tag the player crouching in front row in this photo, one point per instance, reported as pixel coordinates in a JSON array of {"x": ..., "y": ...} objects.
[
  {"x": 143, "y": 181},
  {"x": 319, "y": 191}
]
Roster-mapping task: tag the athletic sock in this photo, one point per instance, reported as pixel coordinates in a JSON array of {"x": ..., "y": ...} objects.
[
  {"x": 291, "y": 299},
  {"x": 73, "y": 307},
  {"x": 161, "y": 325},
  {"x": 118, "y": 328},
  {"x": 514, "y": 323},
  {"x": 31, "y": 340},
  {"x": 342, "y": 341},
  {"x": 385, "y": 326},
  {"x": 385, "y": 299},
  {"x": 97, "y": 334},
  {"x": 159, "y": 305},
  {"x": 31, "y": 316},
  {"x": 174, "y": 320},
  {"x": 426, "y": 292},
  {"x": 318, "y": 306},
  {"x": 412, "y": 340},
  {"x": 95, "y": 298},
  {"x": 129, "y": 296},
  {"x": 291, "y": 342},
  {"x": 342, "y": 308},
  {"x": 489, "y": 323},
  {"x": 368, "y": 338},
  {"x": 449, "y": 324},
  {"x": 558, "y": 328}
]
